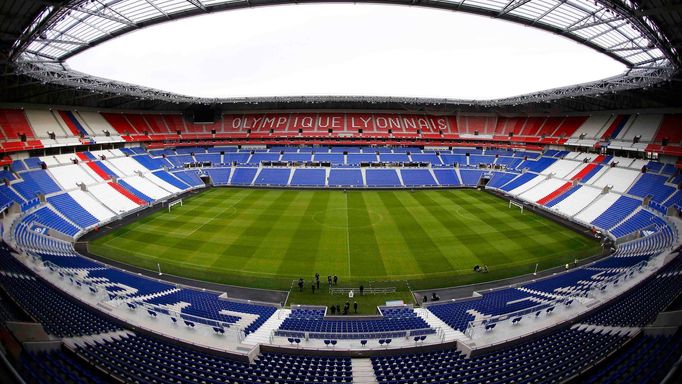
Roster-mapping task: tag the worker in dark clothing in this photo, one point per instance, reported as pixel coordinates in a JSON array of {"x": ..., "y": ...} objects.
[{"x": 355, "y": 306}]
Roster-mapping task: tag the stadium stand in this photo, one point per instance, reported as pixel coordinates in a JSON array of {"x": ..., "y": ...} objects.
[
  {"x": 395, "y": 322},
  {"x": 605, "y": 192}
]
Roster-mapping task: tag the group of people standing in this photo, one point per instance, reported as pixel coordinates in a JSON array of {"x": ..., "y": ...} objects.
[
  {"x": 315, "y": 285},
  {"x": 336, "y": 309},
  {"x": 333, "y": 280}
]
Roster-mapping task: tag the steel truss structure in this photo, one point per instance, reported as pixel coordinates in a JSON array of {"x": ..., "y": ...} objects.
[{"x": 615, "y": 28}]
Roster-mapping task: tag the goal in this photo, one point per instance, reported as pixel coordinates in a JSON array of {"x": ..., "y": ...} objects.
[
  {"x": 173, "y": 204},
  {"x": 515, "y": 204}
]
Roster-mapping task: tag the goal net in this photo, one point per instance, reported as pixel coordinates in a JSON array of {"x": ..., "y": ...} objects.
[
  {"x": 173, "y": 204},
  {"x": 513, "y": 204}
]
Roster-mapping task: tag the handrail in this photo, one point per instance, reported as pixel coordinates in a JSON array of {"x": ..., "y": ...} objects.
[
  {"x": 306, "y": 335},
  {"x": 117, "y": 300},
  {"x": 563, "y": 299}
]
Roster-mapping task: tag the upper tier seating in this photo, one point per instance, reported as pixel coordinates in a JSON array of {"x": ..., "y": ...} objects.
[
  {"x": 32, "y": 129},
  {"x": 393, "y": 158},
  {"x": 299, "y": 157},
  {"x": 652, "y": 185},
  {"x": 333, "y": 158},
  {"x": 13, "y": 124}
]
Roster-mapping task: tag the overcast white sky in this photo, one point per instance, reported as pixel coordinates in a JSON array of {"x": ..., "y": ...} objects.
[{"x": 345, "y": 49}]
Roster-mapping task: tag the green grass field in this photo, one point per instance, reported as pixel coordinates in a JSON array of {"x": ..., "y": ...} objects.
[{"x": 267, "y": 238}]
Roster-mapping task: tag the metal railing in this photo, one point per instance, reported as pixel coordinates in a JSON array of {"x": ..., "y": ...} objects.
[
  {"x": 565, "y": 299},
  {"x": 114, "y": 299},
  {"x": 308, "y": 335}
]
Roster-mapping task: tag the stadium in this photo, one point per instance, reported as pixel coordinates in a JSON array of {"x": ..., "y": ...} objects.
[{"x": 150, "y": 236}]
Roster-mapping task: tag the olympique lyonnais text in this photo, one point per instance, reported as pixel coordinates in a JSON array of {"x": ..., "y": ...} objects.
[{"x": 338, "y": 121}]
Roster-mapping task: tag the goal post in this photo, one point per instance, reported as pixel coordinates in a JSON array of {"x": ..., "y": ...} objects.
[
  {"x": 515, "y": 204},
  {"x": 173, "y": 204}
]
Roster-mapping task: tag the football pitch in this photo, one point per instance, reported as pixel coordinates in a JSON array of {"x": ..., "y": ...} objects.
[{"x": 267, "y": 238}]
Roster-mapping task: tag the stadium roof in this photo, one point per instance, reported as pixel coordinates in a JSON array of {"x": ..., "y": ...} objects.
[{"x": 37, "y": 36}]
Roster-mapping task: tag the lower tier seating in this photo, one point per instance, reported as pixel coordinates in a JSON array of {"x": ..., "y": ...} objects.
[
  {"x": 549, "y": 359},
  {"x": 140, "y": 359},
  {"x": 646, "y": 359}
]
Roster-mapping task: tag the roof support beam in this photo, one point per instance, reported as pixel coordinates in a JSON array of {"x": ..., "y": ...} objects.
[
  {"x": 198, "y": 4},
  {"x": 104, "y": 15},
  {"x": 512, "y": 5}
]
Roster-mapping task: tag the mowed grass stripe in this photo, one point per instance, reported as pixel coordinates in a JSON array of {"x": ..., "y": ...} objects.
[
  {"x": 470, "y": 228},
  {"x": 255, "y": 234},
  {"x": 412, "y": 229},
  {"x": 506, "y": 243},
  {"x": 330, "y": 218},
  {"x": 396, "y": 254},
  {"x": 365, "y": 254},
  {"x": 517, "y": 237},
  {"x": 266, "y": 238},
  {"x": 303, "y": 241}
]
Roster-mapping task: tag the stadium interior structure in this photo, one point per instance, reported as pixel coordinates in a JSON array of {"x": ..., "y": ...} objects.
[{"x": 80, "y": 153}]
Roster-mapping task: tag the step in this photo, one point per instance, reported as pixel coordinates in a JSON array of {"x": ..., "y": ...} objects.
[
  {"x": 262, "y": 334},
  {"x": 449, "y": 334},
  {"x": 363, "y": 371}
]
